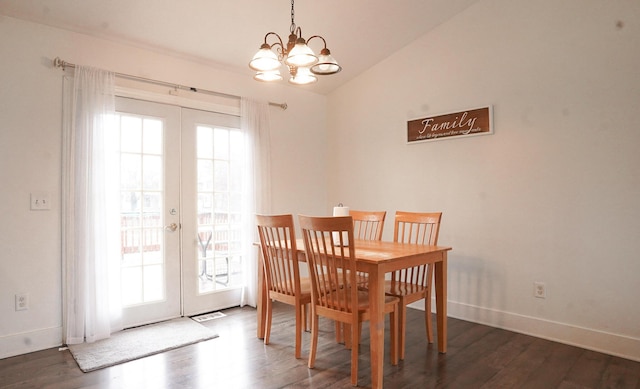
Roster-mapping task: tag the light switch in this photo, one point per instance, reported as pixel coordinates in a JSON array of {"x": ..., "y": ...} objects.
[{"x": 40, "y": 201}]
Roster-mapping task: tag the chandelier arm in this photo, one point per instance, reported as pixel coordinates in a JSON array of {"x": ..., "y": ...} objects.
[
  {"x": 281, "y": 50},
  {"x": 274, "y": 34},
  {"x": 318, "y": 36}
]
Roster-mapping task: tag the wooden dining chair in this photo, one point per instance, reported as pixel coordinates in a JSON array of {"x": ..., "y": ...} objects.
[
  {"x": 335, "y": 293},
  {"x": 413, "y": 284},
  {"x": 367, "y": 225},
  {"x": 281, "y": 271}
]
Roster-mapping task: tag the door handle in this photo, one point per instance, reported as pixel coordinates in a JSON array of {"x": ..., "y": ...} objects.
[{"x": 171, "y": 227}]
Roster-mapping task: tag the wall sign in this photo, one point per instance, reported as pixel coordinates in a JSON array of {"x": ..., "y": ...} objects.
[{"x": 453, "y": 125}]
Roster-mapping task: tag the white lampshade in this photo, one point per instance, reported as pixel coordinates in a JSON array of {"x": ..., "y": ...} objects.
[
  {"x": 264, "y": 60},
  {"x": 326, "y": 64},
  {"x": 270, "y": 75},
  {"x": 301, "y": 55},
  {"x": 303, "y": 76}
]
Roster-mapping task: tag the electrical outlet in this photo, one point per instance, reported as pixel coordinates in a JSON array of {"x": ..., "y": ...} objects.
[
  {"x": 539, "y": 290},
  {"x": 40, "y": 201},
  {"x": 22, "y": 301}
]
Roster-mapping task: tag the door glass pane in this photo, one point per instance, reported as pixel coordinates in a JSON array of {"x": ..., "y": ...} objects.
[
  {"x": 205, "y": 175},
  {"x": 152, "y": 174},
  {"x": 131, "y": 276},
  {"x": 219, "y": 190},
  {"x": 152, "y": 136},
  {"x": 130, "y": 133},
  {"x": 141, "y": 204}
]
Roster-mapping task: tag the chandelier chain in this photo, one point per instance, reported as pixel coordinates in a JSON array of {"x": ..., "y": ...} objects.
[{"x": 292, "y": 29}]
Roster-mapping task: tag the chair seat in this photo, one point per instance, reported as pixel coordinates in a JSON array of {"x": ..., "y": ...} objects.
[
  {"x": 396, "y": 288},
  {"x": 363, "y": 299}
]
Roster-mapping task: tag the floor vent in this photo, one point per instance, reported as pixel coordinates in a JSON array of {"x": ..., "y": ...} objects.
[{"x": 208, "y": 316}]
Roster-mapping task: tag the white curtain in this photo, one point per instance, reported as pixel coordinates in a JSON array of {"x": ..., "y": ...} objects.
[
  {"x": 254, "y": 122},
  {"x": 90, "y": 217}
]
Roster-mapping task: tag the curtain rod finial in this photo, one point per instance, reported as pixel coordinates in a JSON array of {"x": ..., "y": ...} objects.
[
  {"x": 58, "y": 63},
  {"x": 282, "y": 106}
]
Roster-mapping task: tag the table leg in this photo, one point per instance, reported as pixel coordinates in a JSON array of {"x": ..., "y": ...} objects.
[
  {"x": 376, "y": 304},
  {"x": 262, "y": 299},
  {"x": 441, "y": 302}
]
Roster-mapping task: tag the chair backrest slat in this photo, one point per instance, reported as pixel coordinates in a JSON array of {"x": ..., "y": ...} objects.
[
  {"x": 368, "y": 225},
  {"x": 417, "y": 228}
]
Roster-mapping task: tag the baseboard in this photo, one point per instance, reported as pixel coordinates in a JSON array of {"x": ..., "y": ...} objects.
[
  {"x": 600, "y": 341},
  {"x": 28, "y": 342},
  {"x": 595, "y": 340}
]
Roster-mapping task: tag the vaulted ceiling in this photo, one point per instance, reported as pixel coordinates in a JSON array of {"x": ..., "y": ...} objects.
[{"x": 226, "y": 33}]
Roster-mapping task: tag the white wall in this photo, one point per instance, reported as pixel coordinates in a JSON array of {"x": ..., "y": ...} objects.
[
  {"x": 552, "y": 196},
  {"x": 30, "y": 158}
]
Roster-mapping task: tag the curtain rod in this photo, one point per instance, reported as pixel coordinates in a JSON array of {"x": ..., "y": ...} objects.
[{"x": 58, "y": 63}]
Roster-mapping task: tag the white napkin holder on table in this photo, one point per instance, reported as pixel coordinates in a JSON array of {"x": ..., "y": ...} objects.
[{"x": 340, "y": 210}]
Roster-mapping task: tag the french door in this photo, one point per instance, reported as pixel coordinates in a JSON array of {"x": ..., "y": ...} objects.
[
  {"x": 180, "y": 251},
  {"x": 212, "y": 191},
  {"x": 149, "y": 211}
]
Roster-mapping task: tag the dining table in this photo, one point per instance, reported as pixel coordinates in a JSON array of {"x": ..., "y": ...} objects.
[{"x": 378, "y": 258}]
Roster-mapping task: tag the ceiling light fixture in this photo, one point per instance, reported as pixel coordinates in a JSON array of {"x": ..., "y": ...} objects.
[{"x": 303, "y": 63}]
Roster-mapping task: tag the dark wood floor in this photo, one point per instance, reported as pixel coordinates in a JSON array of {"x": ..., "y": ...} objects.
[{"x": 478, "y": 357}]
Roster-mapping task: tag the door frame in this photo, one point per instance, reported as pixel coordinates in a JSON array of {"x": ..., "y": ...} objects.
[{"x": 209, "y": 104}]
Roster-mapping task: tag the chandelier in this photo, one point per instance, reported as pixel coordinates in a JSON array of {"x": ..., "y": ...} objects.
[{"x": 302, "y": 62}]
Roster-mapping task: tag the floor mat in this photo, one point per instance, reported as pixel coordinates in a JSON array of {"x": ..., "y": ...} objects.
[{"x": 139, "y": 342}]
